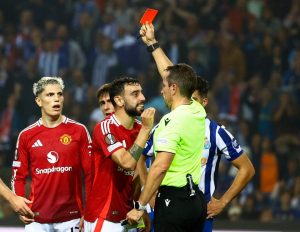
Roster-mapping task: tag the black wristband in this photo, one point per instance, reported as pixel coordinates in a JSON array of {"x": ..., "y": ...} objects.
[{"x": 152, "y": 47}]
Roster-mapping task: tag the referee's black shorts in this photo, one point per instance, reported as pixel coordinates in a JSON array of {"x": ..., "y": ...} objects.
[{"x": 176, "y": 211}]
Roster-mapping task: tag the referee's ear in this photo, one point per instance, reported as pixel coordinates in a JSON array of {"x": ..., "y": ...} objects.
[{"x": 204, "y": 101}]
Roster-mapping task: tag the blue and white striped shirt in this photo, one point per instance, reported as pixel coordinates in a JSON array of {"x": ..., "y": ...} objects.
[{"x": 218, "y": 142}]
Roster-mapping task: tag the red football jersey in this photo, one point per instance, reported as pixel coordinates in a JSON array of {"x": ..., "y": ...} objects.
[
  {"x": 112, "y": 192},
  {"x": 55, "y": 158}
]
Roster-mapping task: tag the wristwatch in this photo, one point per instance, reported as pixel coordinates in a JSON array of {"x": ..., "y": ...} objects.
[
  {"x": 152, "y": 47},
  {"x": 138, "y": 206}
]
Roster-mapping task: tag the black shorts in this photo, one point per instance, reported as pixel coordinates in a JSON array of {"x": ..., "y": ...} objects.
[{"x": 176, "y": 211}]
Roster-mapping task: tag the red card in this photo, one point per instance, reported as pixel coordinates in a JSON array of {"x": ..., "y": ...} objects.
[{"x": 148, "y": 16}]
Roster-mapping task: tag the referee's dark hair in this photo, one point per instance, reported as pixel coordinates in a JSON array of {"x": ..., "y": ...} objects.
[
  {"x": 202, "y": 86},
  {"x": 184, "y": 76},
  {"x": 117, "y": 87}
]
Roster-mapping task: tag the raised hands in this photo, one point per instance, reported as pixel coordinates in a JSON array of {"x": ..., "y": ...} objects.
[{"x": 147, "y": 34}]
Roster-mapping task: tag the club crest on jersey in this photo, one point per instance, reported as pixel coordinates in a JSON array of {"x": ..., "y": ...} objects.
[
  {"x": 207, "y": 144},
  {"x": 65, "y": 139},
  {"x": 110, "y": 139}
]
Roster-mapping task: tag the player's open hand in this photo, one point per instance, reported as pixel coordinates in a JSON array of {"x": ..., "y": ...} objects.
[
  {"x": 147, "y": 34},
  {"x": 26, "y": 220},
  {"x": 148, "y": 118},
  {"x": 214, "y": 207},
  {"x": 20, "y": 206}
]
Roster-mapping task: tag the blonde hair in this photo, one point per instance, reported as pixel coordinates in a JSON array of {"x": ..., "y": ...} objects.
[{"x": 39, "y": 86}]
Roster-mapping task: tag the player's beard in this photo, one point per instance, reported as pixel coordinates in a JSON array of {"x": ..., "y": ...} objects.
[{"x": 134, "y": 111}]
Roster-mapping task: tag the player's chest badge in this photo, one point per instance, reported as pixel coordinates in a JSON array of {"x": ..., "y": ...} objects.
[
  {"x": 65, "y": 139},
  {"x": 207, "y": 143}
]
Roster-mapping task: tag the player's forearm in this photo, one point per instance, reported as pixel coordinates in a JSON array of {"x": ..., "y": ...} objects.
[
  {"x": 5, "y": 191},
  {"x": 18, "y": 183},
  {"x": 143, "y": 136},
  {"x": 162, "y": 61},
  {"x": 88, "y": 171},
  {"x": 244, "y": 175},
  {"x": 130, "y": 158}
]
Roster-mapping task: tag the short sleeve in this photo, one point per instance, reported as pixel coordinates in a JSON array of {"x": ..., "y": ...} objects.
[
  {"x": 228, "y": 145},
  {"x": 105, "y": 138},
  {"x": 167, "y": 139}
]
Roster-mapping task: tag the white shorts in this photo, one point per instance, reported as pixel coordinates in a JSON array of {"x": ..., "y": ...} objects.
[
  {"x": 101, "y": 225},
  {"x": 68, "y": 226}
]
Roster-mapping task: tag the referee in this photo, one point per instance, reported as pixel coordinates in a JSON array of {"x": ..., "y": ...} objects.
[{"x": 178, "y": 140}]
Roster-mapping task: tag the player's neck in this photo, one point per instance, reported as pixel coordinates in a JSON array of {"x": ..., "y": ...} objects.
[
  {"x": 125, "y": 120},
  {"x": 180, "y": 101},
  {"x": 52, "y": 122}
]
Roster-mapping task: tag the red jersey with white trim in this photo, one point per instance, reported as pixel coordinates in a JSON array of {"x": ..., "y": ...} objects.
[
  {"x": 55, "y": 158},
  {"x": 112, "y": 192}
]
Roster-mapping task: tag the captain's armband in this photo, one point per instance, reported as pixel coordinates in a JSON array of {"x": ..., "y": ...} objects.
[{"x": 136, "y": 151}]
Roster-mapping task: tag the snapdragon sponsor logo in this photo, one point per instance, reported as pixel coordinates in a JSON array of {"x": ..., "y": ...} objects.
[
  {"x": 52, "y": 170},
  {"x": 53, "y": 158}
]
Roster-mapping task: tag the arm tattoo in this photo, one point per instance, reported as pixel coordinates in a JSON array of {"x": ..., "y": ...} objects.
[{"x": 136, "y": 151}]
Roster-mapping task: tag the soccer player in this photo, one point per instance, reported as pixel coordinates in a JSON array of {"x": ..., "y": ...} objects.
[
  {"x": 19, "y": 204},
  {"x": 105, "y": 103},
  {"x": 105, "y": 106},
  {"x": 219, "y": 142},
  {"x": 55, "y": 151},
  {"x": 180, "y": 205},
  {"x": 118, "y": 141}
]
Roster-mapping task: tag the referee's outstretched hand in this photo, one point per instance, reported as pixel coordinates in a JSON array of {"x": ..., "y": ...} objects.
[
  {"x": 148, "y": 118},
  {"x": 147, "y": 34}
]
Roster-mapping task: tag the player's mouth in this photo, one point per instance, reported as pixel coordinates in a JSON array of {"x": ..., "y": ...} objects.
[
  {"x": 56, "y": 107},
  {"x": 141, "y": 106}
]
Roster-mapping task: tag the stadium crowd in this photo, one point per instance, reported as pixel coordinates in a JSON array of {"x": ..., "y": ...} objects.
[{"x": 248, "y": 50}]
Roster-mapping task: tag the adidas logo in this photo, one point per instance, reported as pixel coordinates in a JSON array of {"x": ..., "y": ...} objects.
[{"x": 37, "y": 143}]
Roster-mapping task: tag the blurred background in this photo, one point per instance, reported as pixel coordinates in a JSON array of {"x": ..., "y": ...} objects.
[{"x": 248, "y": 50}]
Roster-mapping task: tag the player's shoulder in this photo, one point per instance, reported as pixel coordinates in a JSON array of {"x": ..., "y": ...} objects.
[
  {"x": 73, "y": 123},
  {"x": 108, "y": 124},
  {"x": 29, "y": 129},
  {"x": 212, "y": 124}
]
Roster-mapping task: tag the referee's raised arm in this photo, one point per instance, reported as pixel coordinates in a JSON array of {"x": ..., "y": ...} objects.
[{"x": 161, "y": 59}]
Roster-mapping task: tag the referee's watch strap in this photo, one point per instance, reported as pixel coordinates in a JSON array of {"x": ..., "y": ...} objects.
[{"x": 151, "y": 48}]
